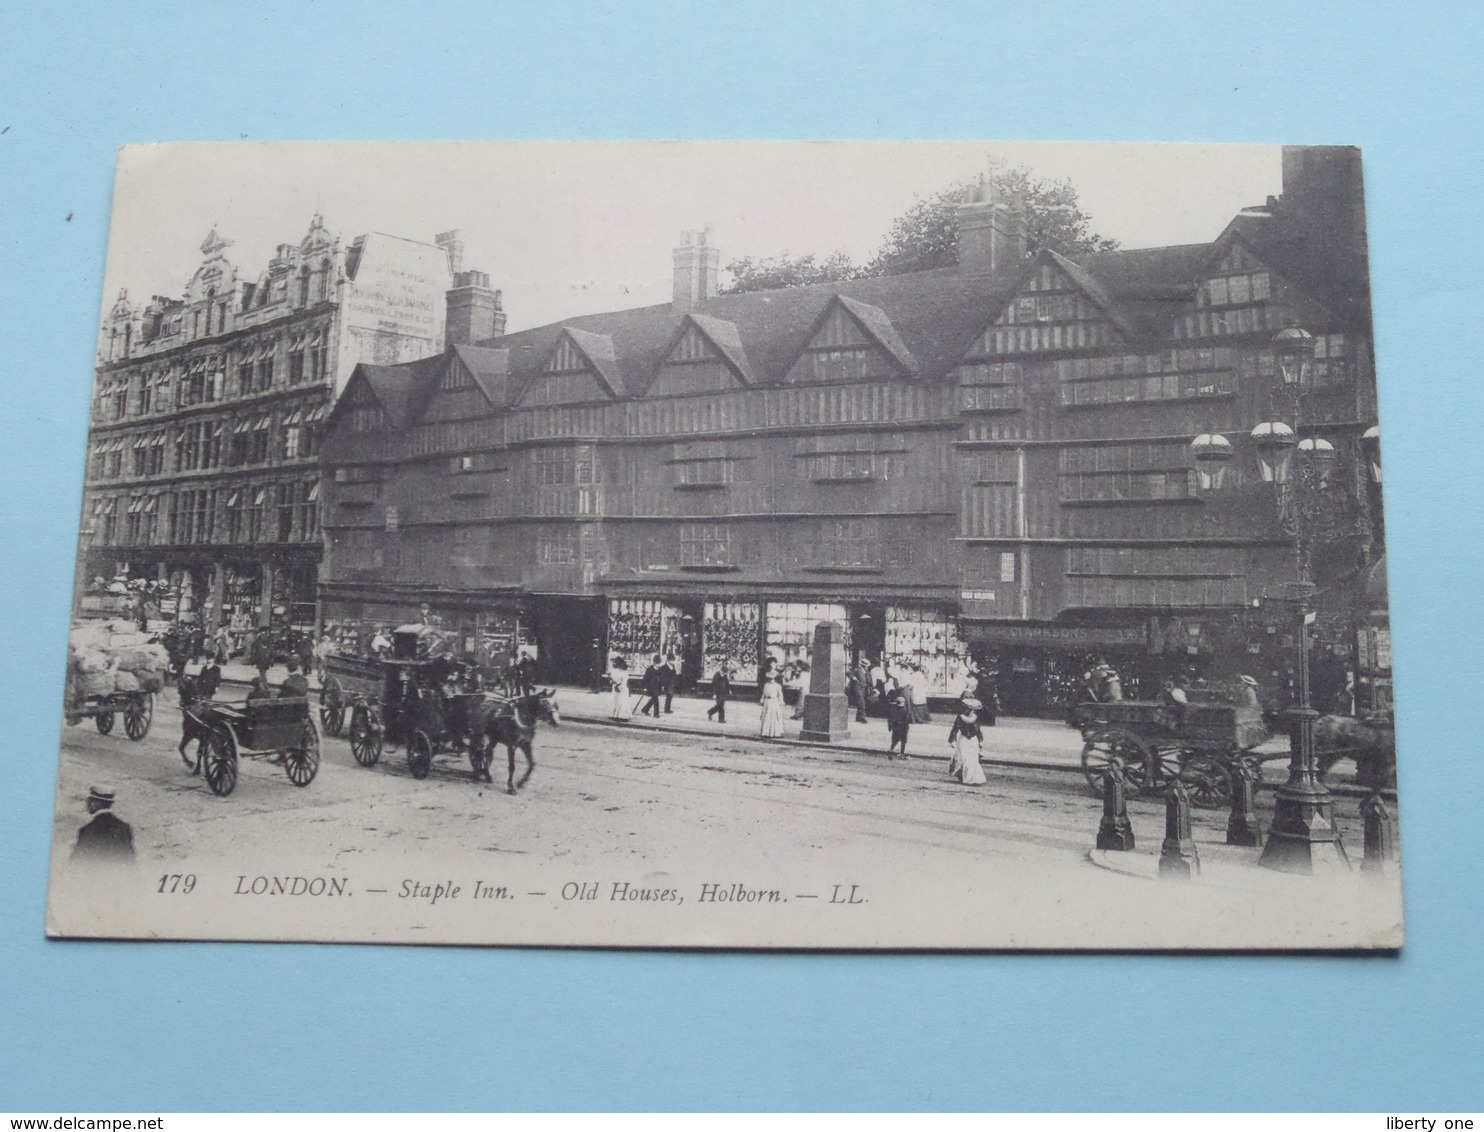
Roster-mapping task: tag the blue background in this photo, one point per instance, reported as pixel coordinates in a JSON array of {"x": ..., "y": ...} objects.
[{"x": 179, "y": 1026}]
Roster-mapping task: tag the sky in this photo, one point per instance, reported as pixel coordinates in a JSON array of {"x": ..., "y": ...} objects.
[{"x": 571, "y": 228}]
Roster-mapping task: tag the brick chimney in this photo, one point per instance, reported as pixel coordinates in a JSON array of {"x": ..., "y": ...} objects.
[
  {"x": 474, "y": 312},
  {"x": 453, "y": 246},
  {"x": 991, "y": 233},
  {"x": 696, "y": 269}
]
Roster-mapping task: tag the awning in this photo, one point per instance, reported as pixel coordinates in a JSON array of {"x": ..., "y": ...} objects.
[
  {"x": 136, "y": 505},
  {"x": 317, "y": 414},
  {"x": 313, "y": 491},
  {"x": 152, "y": 504},
  {"x": 244, "y": 425},
  {"x": 263, "y": 422},
  {"x": 110, "y": 506},
  {"x": 262, "y": 495},
  {"x": 142, "y": 442},
  {"x": 293, "y": 418},
  {"x": 233, "y": 498}
]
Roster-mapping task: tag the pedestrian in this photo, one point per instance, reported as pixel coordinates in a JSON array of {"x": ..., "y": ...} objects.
[
  {"x": 917, "y": 697},
  {"x": 669, "y": 677},
  {"x": 721, "y": 692},
  {"x": 855, "y": 692},
  {"x": 294, "y": 685},
  {"x": 987, "y": 692},
  {"x": 966, "y": 739},
  {"x": 381, "y": 641},
  {"x": 209, "y": 679},
  {"x": 618, "y": 683},
  {"x": 322, "y": 649},
  {"x": 525, "y": 673},
  {"x": 305, "y": 651},
  {"x": 797, "y": 684},
  {"x": 898, "y": 721},
  {"x": 107, "y": 839},
  {"x": 653, "y": 684},
  {"x": 1247, "y": 693},
  {"x": 770, "y": 725},
  {"x": 261, "y": 654}
]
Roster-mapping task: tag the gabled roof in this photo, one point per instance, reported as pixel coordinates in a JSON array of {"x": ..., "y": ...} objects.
[
  {"x": 490, "y": 370},
  {"x": 598, "y": 349},
  {"x": 723, "y": 335},
  {"x": 880, "y": 330}
]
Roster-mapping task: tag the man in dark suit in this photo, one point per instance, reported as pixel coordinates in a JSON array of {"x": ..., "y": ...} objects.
[
  {"x": 669, "y": 677},
  {"x": 107, "y": 839},
  {"x": 294, "y": 685},
  {"x": 653, "y": 688},
  {"x": 721, "y": 691}
]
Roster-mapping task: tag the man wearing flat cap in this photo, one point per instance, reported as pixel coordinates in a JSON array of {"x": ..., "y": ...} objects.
[{"x": 107, "y": 839}]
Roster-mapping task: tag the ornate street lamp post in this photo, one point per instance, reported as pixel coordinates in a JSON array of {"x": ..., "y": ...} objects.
[{"x": 1303, "y": 837}]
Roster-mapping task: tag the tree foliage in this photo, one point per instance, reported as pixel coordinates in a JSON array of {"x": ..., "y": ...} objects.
[{"x": 925, "y": 236}]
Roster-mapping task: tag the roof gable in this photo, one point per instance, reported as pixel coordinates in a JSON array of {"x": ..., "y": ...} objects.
[
  {"x": 851, "y": 341},
  {"x": 1056, "y": 305},
  {"x": 582, "y": 366},
  {"x": 705, "y": 356}
]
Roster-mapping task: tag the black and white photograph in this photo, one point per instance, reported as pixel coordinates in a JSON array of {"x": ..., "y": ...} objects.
[{"x": 800, "y": 545}]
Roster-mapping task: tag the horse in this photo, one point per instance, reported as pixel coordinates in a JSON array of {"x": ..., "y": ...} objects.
[
  {"x": 512, "y": 723},
  {"x": 1371, "y": 742},
  {"x": 192, "y": 730}
]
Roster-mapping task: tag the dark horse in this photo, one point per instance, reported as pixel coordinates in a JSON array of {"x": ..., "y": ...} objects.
[{"x": 512, "y": 723}]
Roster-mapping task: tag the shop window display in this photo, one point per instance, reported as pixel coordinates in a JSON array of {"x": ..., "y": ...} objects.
[
  {"x": 790, "y": 629},
  {"x": 929, "y": 640},
  {"x": 729, "y": 635}
]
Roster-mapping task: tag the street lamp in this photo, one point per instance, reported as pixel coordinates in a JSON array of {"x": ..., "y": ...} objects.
[{"x": 1303, "y": 837}]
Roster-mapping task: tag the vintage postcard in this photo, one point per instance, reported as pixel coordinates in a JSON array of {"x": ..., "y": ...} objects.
[{"x": 733, "y": 545}]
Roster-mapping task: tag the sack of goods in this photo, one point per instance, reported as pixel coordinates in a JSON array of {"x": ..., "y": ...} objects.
[{"x": 110, "y": 657}]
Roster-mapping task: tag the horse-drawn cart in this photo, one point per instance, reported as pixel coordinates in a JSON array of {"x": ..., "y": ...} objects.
[
  {"x": 137, "y": 708},
  {"x": 1154, "y": 743},
  {"x": 279, "y": 730}
]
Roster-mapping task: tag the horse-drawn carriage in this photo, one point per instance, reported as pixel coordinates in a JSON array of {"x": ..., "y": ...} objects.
[
  {"x": 1153, "y": 743},
  {"x": 279, "y": 730},
  {"x": 427, "y": 706},
  {"x": 430, "y": 705}
]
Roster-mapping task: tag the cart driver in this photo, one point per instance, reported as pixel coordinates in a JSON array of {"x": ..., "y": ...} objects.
[
  {"x": 294, "y": 686},
  {"x": 1173, "y": 697}
]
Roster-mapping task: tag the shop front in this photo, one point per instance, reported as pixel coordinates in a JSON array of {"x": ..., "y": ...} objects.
[
  {"x": 1039, "y": 667},
  {"x": 486, "y": 629}
]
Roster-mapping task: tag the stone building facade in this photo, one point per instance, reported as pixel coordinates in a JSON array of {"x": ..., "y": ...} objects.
[
  {"x": 990, "y": 460},
  {"x": 208, "y": 407}
]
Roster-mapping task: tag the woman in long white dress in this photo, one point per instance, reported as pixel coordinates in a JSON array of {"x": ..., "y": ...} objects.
[
  {"x": 618, "y": 680},
  {"x": 771, "y": 724},
  {"x": 966, "y": 739}
]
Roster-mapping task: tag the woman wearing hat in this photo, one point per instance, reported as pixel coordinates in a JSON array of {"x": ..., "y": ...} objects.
[{"x": 966, "y": 738}]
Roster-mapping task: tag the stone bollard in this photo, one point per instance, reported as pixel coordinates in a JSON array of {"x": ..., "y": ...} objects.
[
  {"x": 1178, "y": 857},
  {"x": 1380, "y": 841},
  {"x": 1244, "y": 827},
  {"x": 1114, "y": 831}
]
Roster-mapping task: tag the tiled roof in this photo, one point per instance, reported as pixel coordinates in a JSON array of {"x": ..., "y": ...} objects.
[{"x": 490, "y": 370}]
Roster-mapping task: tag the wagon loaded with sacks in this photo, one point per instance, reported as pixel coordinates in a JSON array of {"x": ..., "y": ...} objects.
[{"x": 112, "y": 670}]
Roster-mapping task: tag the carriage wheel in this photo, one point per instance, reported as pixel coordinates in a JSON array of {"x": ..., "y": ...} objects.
[
  {"x": 1209, "y": 781},
  {"x": 104, "y": 721},
  {"x": 481, "y": 754},
  {"x": 1164, "y": 765},
  {"x": 137, "y": 716},
  {"x": 365, "y": 742},
  {"x": 221, "y": 762},
  {"x": 1103, "y": 748},
  {"x": 302, "y": 762},
  {"x": 332, "y": 706},
  {"x": 420, "y": 754}
]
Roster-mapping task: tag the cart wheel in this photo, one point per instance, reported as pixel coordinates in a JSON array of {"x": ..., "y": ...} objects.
[
  {"x": 1104, "y": 747},
  {"x": 1209, "y": 781},
  {"x": 332, "y": 706},
  {"x": 221, "y": 762},
  {"x": 302, "y": 763},
  {"x": 1165, "y": 764},
  {"x": 420, "y": 754},
  {"x": 365, "y": 741},
  {"x": 481, "y": 753},
  {"x": 104, "y": 720},
  {"x": 137, "y": 716}
]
